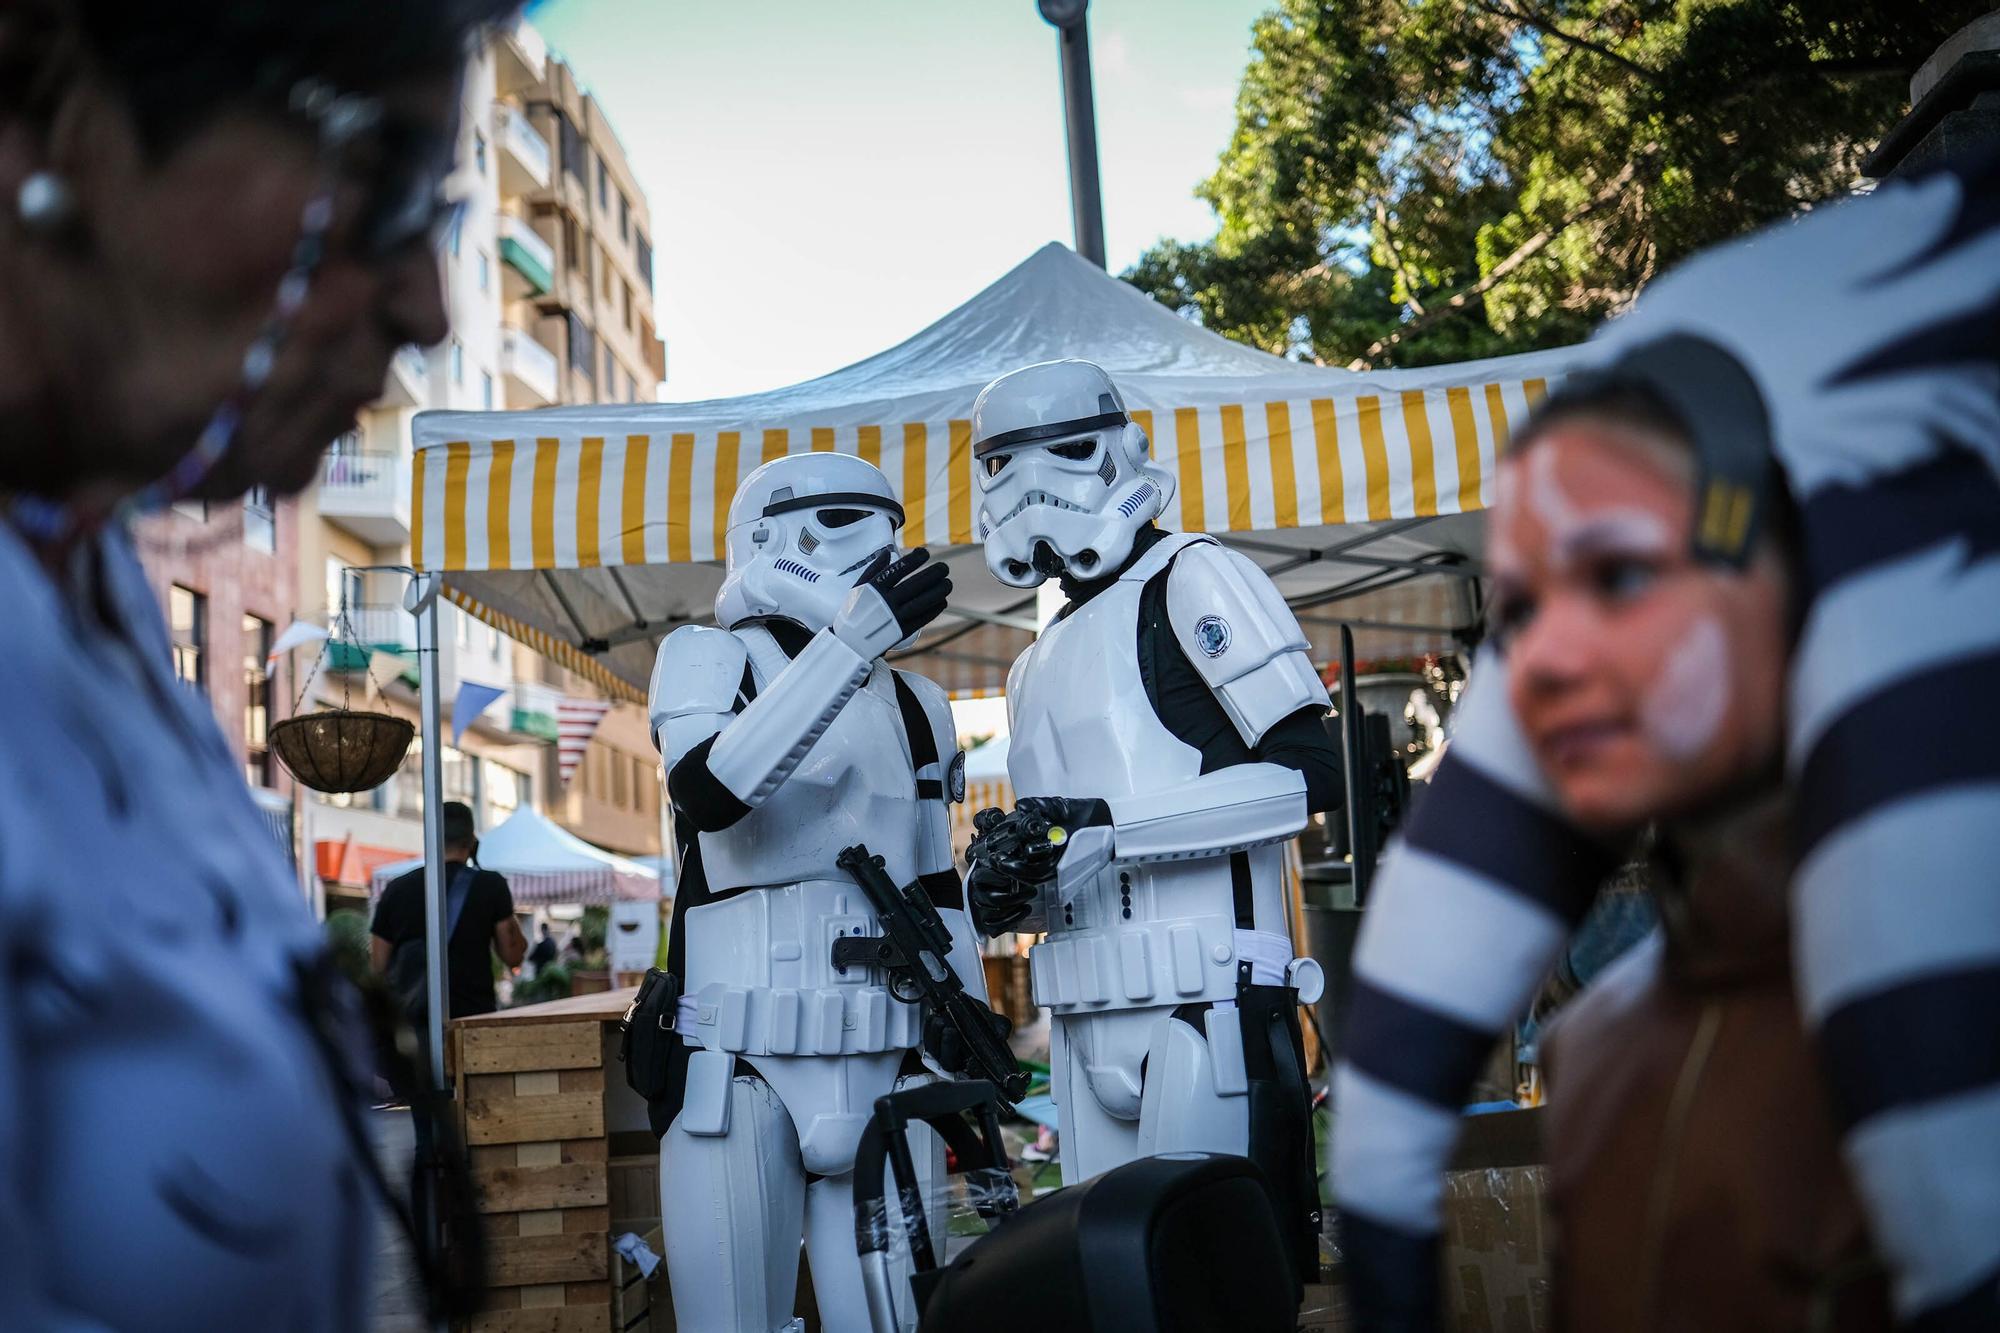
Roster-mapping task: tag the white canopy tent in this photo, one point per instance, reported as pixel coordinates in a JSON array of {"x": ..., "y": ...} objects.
[
  {"x": 590, "y": 532},
  {"x": 545, "y": 863}
]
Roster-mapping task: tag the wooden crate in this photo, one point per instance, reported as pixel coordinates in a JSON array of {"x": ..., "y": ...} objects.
[
  {"x": 531, "y": 1089},
  {"x": 639, "y": 1304}
]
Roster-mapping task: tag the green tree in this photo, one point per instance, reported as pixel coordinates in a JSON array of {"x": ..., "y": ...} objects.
[{"x": 1419, "y": 181}]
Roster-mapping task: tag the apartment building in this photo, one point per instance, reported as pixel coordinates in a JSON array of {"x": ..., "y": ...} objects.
[
  {"x": 549, "y": 282},
  {"x": 223, "y": 573}
]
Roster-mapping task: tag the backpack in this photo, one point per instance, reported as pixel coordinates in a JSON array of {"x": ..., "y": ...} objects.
[{"x": 408, "y": 978}]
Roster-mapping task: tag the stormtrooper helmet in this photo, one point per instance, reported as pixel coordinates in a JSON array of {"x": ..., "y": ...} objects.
[
  {"x": 801, "y": 529},
  {"x": 1065, "y": 479}
]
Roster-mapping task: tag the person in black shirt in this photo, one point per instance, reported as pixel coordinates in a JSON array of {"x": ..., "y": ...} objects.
[
  {"x": 485, "y": 925},
  {"x": 544, "y": 951}
]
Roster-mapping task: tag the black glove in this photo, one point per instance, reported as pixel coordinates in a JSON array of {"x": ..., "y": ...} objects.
[
  {"x": 943, "y": 1043},
  {"x": 1014, "y": 855},
  {"x": 915, "y": 588},
  {"x": 891, "y": 601}
]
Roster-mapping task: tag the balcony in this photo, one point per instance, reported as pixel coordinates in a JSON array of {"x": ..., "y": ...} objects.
[
  {"x": 362, "y": 631},
  {"x": 367, "y": 494},
  {"x": 529, "y": 370},
  {"x": 528, "y": 261},
  {"x": 522, "y": 58},
  {"x": 525, "y": 161},
  {"x": 409, "y": 380}
]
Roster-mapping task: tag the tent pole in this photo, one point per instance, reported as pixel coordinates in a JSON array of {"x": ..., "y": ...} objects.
[
  {"x": 421, "y": 601},
  {"x": 1359, "y": 817}
]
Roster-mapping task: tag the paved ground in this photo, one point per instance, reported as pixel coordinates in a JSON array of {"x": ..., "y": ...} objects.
[{"x": 398, "y": 1299}]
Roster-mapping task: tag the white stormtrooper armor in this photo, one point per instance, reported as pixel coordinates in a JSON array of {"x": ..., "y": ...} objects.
[
  {"x": 786, "y": 739},
  {"x": 1176, "y": 900}
]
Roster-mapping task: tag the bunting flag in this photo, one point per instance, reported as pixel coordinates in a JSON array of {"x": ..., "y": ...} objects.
[
  {"x": 294, "y": 634},
  {"x": 473, "y": 699},
  {"x": 576, "y": 723}
]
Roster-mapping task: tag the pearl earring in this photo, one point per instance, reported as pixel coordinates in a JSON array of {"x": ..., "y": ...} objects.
[{"x": 45, "y": 203}]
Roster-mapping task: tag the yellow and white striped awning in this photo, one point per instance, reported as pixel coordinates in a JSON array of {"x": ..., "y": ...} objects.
[
  {"x": 581, "y": 498},
  {"x": 591, "y": 531}
]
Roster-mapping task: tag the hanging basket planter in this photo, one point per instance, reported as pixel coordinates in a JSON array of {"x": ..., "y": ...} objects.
[{"x": 341, "y": 749}]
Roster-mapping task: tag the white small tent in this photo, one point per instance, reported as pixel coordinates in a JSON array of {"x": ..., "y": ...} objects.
[{"x": 545, "y": 863}]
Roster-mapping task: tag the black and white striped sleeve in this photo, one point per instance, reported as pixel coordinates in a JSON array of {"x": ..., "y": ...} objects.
[
  {"x": 1476, "y": 900},
  {"x": 1895, "y": 745}
]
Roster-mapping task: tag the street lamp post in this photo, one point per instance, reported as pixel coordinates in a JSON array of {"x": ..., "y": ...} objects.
[{"x": 1080, "y": 121}]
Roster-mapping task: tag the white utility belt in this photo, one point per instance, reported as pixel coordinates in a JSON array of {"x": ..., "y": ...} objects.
[
  {"x": 845, "y": 1020},
  {"x": 1184, "y": 961},
  {"x": 761, "y": 980}
]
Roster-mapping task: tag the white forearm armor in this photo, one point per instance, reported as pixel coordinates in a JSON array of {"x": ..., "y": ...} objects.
[{"x": 756, "y": 750}]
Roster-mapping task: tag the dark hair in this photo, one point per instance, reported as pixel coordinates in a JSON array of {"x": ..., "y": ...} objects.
[
  {"x": 182, "y": 61},
  {"x": 459, "y": 830}
]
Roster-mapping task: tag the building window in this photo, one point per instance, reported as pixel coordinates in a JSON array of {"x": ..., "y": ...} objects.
[
  {"x": 343, "y": 587},
  {"x": 575, "y": 157},
  {"x": 486, "y": 390},
  {"x": 260, "y": 521},
  {"x": 507, "y": 790},
  {"x": 603, "y": 185},
  {"x": 645, "y": 248},
  {"x": 457, "y": 361},
  {"x": 257, "y": 701},
  {"x": 493, "y": 642},
  {"x": 624, "y": 218},
  {"x": 627, "y": 288},
  {"x": 464, "y": 628},
  {"x": 187, "y": 619},
  {"x": 582, "y": 346},
  {"x": 610, "y": 377},
  {"x": 621, "y": 781},
  {"x": 479, "y": 151},
  {"x": 485, "y": 272},
  {"x": 572, "y": 245},
  {"x": 604, "y": 271}
]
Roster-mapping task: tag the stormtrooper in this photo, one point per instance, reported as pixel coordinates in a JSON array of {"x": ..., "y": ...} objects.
[
  {"x": 787, "y": 738},
  {"x": 1167, "y": 739}
]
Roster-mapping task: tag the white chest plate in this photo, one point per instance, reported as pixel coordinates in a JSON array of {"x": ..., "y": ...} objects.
[
  {"x": 856, "y": 784},
  {"x": 1139, "y": 935},
  {"x": 1082, "y": 725}
]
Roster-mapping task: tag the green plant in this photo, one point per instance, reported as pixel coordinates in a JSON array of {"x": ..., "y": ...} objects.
[
  {"x": 551, "y": 983},
  {"x": 347, "y": 936},
  {"x": 593, "y": 929}
]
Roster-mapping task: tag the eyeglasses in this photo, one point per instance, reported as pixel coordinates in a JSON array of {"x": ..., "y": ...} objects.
[{"x": 403, "y": 168}]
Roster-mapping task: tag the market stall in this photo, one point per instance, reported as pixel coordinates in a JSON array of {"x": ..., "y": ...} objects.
[{"x": 590, "y": 532}]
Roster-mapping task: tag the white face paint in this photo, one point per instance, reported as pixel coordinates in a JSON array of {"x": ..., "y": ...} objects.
[
  {"x": 1683, "y": 710},
  {"x": 1576, "y": 532}
]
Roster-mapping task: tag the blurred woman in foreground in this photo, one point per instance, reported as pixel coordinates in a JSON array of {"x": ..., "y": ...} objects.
[
  {"x": 1747, "y": 588},
  {"x": 215, "y": 230}
]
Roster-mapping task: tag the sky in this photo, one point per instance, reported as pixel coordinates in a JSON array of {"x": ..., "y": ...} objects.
[{"x": 827, "y": 177}]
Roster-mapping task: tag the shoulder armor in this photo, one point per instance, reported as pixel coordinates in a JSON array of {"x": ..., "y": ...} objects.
[
  {"x": 699, "y": 670},
  {"x": 1243, "y": 640}
]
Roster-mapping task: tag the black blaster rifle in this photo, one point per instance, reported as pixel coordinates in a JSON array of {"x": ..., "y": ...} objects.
[{"x": 913, "y": 949}]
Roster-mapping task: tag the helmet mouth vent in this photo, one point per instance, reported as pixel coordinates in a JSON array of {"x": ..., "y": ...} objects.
[{"x": 1032, "y": 498}]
